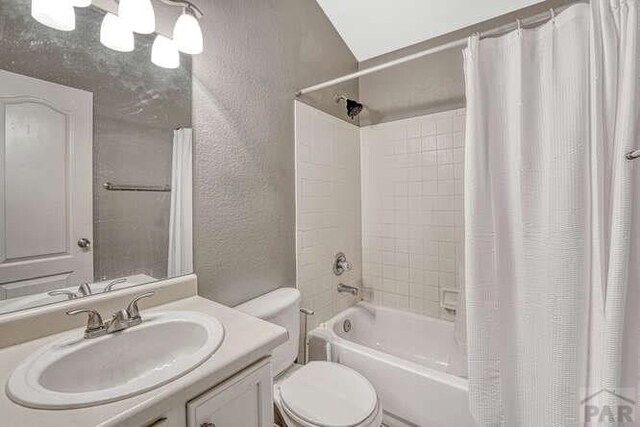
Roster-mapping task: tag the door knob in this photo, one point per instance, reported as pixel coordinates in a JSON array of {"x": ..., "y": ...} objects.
[{"x": 84, "y": 243}]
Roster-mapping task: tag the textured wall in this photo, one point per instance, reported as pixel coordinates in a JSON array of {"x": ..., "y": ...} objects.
[
  {"x": 328, "y": 210},
  {"x": 257, "y": 54},
  {"x": 412, "y": 210},
  {"x": 426, "y": 85},
  {"x": 136, "y": 107}
]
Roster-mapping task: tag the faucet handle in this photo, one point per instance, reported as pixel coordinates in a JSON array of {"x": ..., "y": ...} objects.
[
  {"x": 94, "y": 322},
  {"x": 70, "y": 295},
  {"x": 346, "y": 265},
  {"x": 132, "y": 308},
  {"x": 84, "y": 289},
  {"x": 340, "y": 264},
  {"x": 112, "y": 283}
]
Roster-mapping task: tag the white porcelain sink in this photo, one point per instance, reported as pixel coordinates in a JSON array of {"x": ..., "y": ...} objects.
[{"x": 73, "y": 372}]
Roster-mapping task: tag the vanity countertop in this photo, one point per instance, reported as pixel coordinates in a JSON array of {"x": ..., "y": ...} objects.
[{"x": 246, "y": 341}]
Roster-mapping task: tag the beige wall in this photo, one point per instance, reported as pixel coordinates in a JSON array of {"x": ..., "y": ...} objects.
[
  {"x": 427, "y": 85},
  {"x": 258, "y": 53}
]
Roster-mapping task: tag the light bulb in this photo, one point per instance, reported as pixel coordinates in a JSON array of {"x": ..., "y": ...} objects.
[
  {"x": 164, "y": 52},
  {"x": 80, "y": 3},
  {"x": 138, "y": 15},
  {"x": 188, "y": 35},
  {"x": 115, "y": 34},
  {"x": 57, "y": 14}
]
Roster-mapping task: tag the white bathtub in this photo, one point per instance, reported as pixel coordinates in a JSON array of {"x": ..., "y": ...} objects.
[{"x": 405, "y": 356}]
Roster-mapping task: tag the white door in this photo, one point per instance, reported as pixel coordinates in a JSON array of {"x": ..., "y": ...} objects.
[{"x": 46, "y": 138}]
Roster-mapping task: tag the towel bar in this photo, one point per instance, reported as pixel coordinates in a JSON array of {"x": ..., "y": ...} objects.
[{"x": 113, "y": 187}]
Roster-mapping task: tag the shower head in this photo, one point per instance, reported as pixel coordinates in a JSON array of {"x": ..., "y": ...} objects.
[{"x": 353, "y": 107}]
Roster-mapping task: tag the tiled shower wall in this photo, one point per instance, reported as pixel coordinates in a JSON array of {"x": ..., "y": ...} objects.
[
  {"x": 328, "y": 209},
  {"x": 407, "y": 240},
  {"x": 412, "y": 210}
]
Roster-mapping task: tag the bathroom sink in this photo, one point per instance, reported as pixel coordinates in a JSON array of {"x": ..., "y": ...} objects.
[{"x": 73, "y": 372}]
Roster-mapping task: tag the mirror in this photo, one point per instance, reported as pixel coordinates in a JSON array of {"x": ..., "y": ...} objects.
[{"x": 95, "y": 162}]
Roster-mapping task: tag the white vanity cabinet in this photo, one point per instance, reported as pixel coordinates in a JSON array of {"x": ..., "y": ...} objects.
[
  {"x": 242, "y": 401},
  {"x": 231, "y": 388}
]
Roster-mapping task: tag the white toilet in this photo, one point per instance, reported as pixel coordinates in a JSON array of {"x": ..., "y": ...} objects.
[{"x": 318, "y": 394}]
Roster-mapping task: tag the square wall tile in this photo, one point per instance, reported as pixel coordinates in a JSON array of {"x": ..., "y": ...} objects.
[
  {"x": 328, "y": 218},
  {"x": 418, "y": 232}
]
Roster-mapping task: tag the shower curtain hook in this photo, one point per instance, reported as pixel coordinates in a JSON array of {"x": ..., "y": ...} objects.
[
  {"x": 519, "y": 26},
  {"x": 553, "y": 15}
]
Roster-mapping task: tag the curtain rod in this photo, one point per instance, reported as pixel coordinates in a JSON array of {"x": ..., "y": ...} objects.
[{"x": 532, "y": 20}]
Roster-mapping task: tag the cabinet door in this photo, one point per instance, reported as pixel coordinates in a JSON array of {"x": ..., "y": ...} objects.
[{"x": 243, "y": 401}]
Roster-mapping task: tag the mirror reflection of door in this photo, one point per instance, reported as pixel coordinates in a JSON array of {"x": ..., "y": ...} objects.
[{"x": 46, "y": 232}]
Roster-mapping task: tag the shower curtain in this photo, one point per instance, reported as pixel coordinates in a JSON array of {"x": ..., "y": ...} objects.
[
  {"x": 550, "y": 115},
  {"x": 181, "y": 218}
]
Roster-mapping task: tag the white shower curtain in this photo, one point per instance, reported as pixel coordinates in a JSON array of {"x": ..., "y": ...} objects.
[
  {"x": 181, "y": 220},
  {"x": 550, "y": 115}
]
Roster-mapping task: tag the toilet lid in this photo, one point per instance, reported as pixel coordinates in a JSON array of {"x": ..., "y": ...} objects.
[{"x": 328, "y": 394}]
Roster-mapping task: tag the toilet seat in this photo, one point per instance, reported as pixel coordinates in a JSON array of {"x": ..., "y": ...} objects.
[{"x": 328, "y": 395}]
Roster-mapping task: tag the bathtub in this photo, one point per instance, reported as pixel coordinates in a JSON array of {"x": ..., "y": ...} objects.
[{"x": 405, "y": 356}]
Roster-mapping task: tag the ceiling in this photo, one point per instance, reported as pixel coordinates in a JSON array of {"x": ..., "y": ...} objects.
[{"x": 375, "y": 27}]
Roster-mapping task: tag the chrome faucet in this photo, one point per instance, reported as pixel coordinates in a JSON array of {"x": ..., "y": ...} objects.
[
  {"x": 348, "y": 289},
  {"x": 83, "y": 291},
  {"x": 121, "y": 319}
]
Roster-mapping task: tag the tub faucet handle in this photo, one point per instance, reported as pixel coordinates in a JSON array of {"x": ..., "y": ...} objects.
[
  {"x": 340, "y": 264},
  {"x": 346, "y": 265}
]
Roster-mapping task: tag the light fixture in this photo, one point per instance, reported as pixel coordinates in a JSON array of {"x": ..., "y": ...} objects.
[
  {"x": 187, "y": 34},
  {"x": 115, "y": 34},
  {"x": 80, "y": 3},
  {"x": 164, "y": 52},
  {"x": 57, "y": 14},
  {"x": 116, "y": 31},
  {"x": 138, "y": 15}
]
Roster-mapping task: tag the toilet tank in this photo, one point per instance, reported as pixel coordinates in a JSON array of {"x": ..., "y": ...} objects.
[{"x": 281, "y": 307}]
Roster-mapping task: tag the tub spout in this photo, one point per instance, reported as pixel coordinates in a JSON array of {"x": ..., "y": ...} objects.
[{"x": 348, "y": 289}]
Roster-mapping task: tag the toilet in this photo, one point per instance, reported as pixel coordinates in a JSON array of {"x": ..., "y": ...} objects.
[{"x": 318, "y": 394}]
